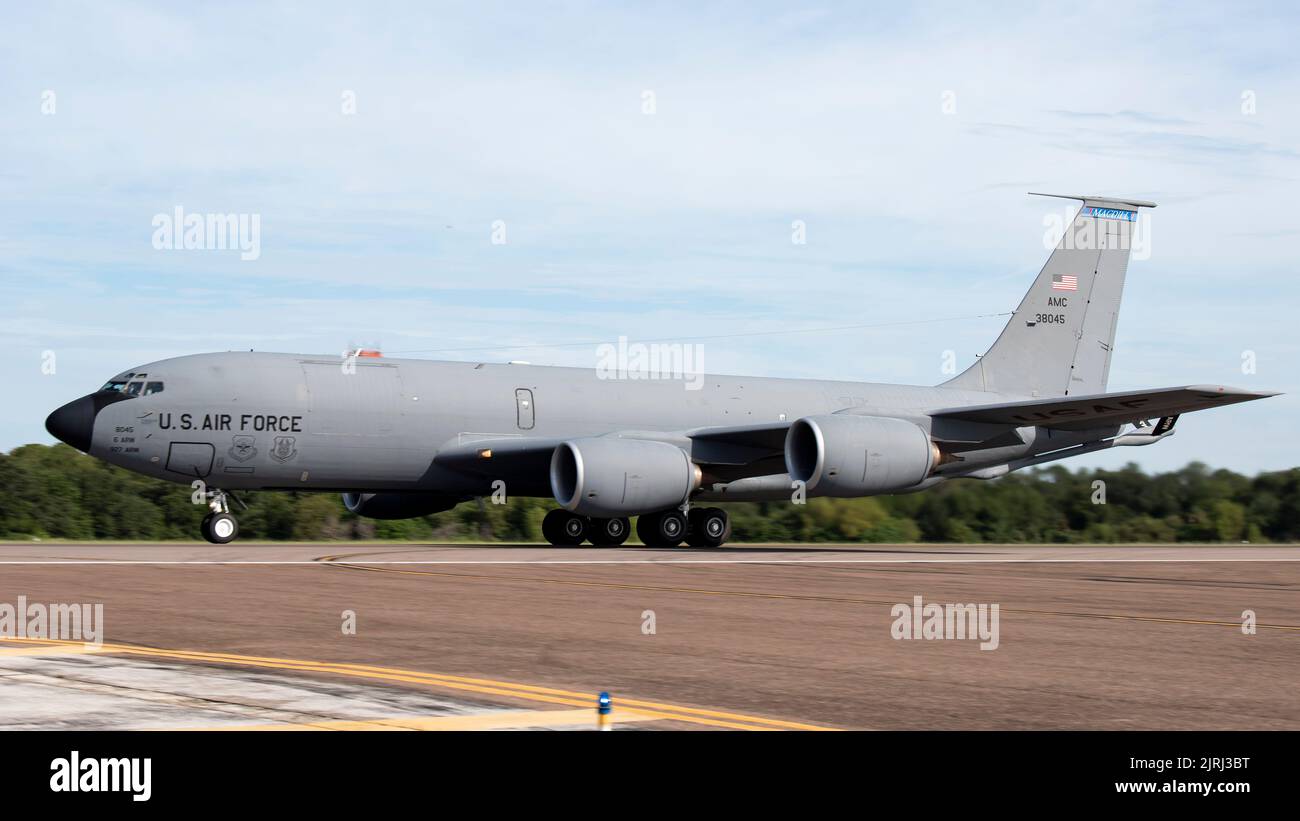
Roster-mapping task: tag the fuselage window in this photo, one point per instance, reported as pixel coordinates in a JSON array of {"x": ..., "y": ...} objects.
[
  {"x": 153, "y": 387},
  {"x": 134, "y": 388}
]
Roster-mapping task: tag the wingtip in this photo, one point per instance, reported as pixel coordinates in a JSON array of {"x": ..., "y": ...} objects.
[{"x": 1229, "y": 390}]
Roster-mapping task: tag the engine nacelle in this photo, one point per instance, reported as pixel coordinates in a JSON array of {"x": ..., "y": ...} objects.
[
  {"x": 609, "y": 477},
  {"x": 396, "y": 505},
  {"x": 844, "y": 455}
]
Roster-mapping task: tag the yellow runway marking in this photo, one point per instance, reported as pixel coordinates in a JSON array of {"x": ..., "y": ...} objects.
[
  {"x": 327, "y": 561},
  {"x": 72, "y": 648},
  {"x": 549, "y": 695},
  {"x": 500, "y": 720}
]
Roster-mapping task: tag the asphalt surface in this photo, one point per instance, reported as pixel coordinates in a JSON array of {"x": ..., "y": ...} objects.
[{"x": 783, "y": 636}]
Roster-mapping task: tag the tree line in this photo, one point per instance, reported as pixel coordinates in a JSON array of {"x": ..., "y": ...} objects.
[{"x": 56, "y": 492}]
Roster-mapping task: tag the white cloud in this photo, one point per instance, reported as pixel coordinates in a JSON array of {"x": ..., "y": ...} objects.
[{"x": 376, "y": 226}]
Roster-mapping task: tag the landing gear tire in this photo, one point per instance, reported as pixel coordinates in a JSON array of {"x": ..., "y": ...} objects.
[
  {"x": 664, "y": 529},
  {"x": 608, "y": 532},
  {"x": 551, "y": 526},
  {"x": 709, "y": 527},
  {"x": 219, "y": 528},
  {"x": 564, "y": 529}
]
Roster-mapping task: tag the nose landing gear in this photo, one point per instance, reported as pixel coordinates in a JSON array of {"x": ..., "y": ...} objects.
[{"x": 219, "y": 526}]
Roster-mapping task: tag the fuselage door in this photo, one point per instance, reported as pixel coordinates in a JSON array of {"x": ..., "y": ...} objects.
[
  {"x": 524, "y": 408},
  {"x": 193, "y": 459}
]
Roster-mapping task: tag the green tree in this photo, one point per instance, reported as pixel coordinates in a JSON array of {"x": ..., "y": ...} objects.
[{"x": 56, "y": 492}]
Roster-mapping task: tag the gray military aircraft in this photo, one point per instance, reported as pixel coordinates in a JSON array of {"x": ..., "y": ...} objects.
[{"x": 401, "y": 438}]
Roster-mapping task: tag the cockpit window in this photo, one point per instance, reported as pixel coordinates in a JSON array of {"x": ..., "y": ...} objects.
[{"x": 132, "y": 385}]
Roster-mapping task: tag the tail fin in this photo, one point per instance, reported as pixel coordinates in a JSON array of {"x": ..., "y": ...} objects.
[{"x": 1059, "y": 340}]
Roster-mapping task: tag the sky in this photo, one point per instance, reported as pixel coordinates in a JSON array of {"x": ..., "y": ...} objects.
[{"x": 450, "y": 181}]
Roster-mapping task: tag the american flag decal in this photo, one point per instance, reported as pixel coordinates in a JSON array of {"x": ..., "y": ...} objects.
[{"x": 1065, "y": 282}]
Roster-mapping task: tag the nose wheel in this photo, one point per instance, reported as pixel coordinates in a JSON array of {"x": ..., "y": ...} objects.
[{"x": 219, "y": 526}]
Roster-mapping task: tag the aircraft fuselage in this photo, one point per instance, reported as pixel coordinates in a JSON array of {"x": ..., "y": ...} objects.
[{"x": 287, "y": 421}]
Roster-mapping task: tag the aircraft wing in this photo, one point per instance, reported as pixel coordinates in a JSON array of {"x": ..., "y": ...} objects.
[
  {"x": 495, "y": 456},
  {"x": 522, "y": 457},
  {"x": 1102, "y": 409},
  {"x": 738, "y": 444}
]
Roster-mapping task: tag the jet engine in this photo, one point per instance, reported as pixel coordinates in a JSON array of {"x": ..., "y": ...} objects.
[
  {"x": 397, "y": 505},
  {"x": 608, "y": 477},
  {"x": 843, "y": 455}
]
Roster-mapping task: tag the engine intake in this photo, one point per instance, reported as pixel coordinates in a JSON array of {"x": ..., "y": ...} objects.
[
  {"x": 610, "y": 476},
  {"x": 396, "y": 505},
  {"x": 843, "y": 455}
]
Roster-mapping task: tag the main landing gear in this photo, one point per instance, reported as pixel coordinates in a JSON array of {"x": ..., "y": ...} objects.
[
  {"x": 709, "y": 527},
  {"x": 219, "y": 527},
  {"x": 564, "y": 529},
  {"x": 703, "y": 527}
]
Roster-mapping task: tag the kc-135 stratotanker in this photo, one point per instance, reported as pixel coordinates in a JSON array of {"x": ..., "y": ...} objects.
[{"x": 401, "y": 438}]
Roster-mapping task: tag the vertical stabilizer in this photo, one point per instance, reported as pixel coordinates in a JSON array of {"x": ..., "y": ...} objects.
[{"x": 1060, "y": 338}]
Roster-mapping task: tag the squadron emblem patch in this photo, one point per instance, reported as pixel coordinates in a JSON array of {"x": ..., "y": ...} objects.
[
  {"x": 283, "y": 449},
  {"x": 241, "y": 448}
]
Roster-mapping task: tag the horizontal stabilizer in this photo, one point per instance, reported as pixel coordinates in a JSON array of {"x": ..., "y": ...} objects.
[
  {"x": 1102, "y": 409},
  {"x": 1111, "y": 202}
]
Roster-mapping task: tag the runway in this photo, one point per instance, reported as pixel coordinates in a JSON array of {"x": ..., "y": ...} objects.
[{"x": 250, "y": 636}]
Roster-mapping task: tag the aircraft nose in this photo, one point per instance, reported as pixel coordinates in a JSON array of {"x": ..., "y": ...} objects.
[{"x": 74, "y": 423}]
